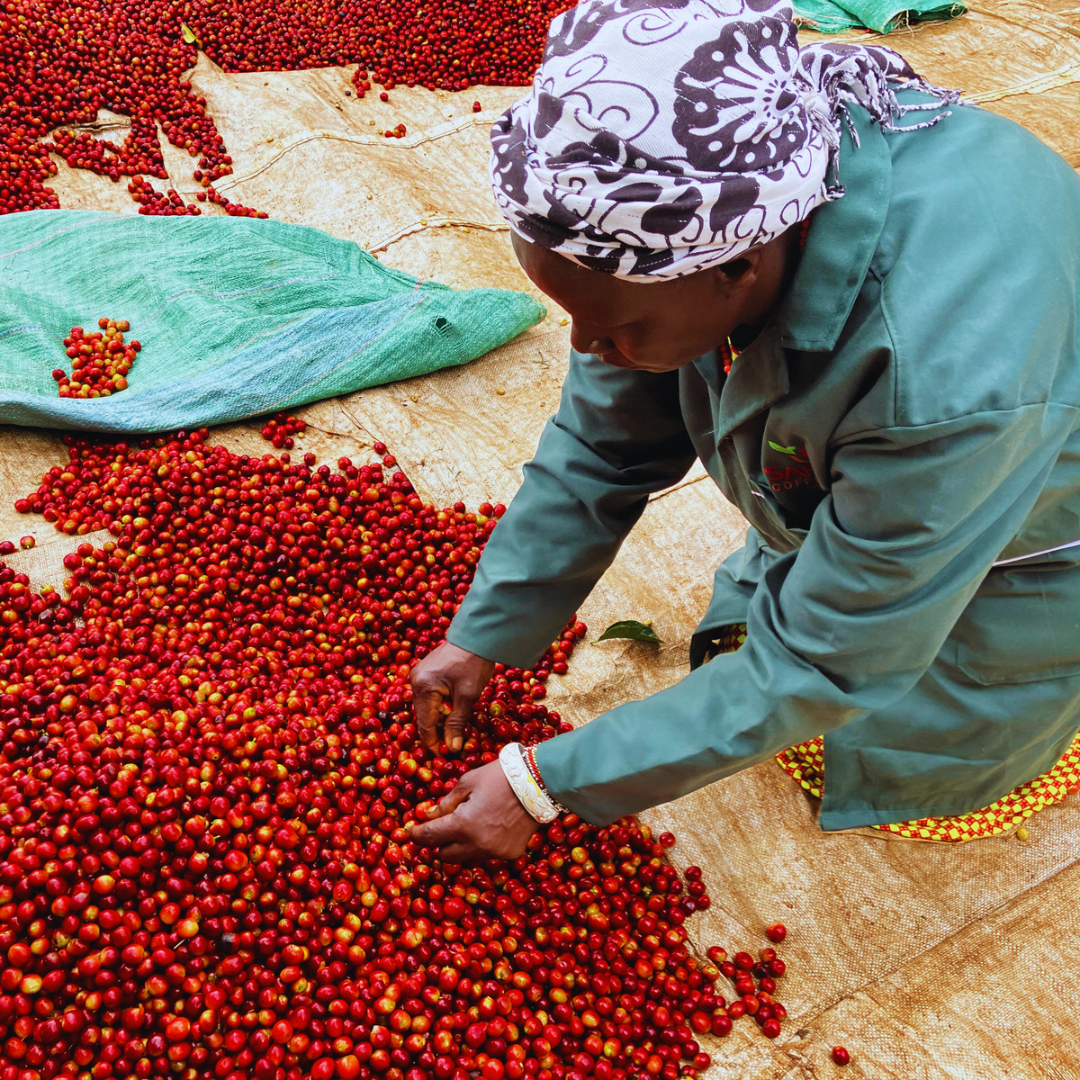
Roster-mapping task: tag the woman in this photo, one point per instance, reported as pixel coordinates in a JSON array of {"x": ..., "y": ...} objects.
[{"x": 901, "y": 427}]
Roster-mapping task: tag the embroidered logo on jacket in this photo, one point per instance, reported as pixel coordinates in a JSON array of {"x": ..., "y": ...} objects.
[{"x": 797, "y": 473}]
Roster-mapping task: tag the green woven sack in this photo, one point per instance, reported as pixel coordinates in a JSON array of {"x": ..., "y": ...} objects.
[
  {"x": 879, "y": 15},
  {"x": 236, "y": 317}
]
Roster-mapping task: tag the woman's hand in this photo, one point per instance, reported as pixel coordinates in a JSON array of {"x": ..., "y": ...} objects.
[
  {"x": 480, "y": 819},
  {"x": 447, "y": 672}
]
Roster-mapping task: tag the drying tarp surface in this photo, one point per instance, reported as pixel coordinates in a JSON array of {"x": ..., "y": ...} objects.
[{"x": 927, "y": 961}]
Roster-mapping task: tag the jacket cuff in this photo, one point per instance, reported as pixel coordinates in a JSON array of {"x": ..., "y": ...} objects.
[
  {"x": 499, "y": 648},
  {"x": 549, "y": 757}
]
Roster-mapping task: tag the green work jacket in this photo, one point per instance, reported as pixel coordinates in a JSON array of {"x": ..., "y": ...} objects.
[{"x": 904, "y": 440}]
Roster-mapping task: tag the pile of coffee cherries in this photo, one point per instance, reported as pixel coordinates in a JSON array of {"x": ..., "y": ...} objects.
[
  {"x": 62, "y": 63},
  {"x": 208, "y": 767},
  {"x": 100, "y": 361}
]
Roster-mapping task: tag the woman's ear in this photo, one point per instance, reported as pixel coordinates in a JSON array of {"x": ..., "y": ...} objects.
[{"x": 743, "y": 271}]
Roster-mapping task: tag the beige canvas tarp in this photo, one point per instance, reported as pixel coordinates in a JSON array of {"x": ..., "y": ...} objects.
[{"x": 925, "y": 960}]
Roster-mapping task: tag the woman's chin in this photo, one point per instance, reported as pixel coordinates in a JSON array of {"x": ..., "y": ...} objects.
[{"x": 631, "y": 363}]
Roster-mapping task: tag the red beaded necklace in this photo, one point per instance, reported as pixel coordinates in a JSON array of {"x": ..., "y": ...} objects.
[{"x": 728, "y": 352}]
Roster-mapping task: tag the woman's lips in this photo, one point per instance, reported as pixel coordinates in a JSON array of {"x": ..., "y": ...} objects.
[{"x": 616, "y": 359}]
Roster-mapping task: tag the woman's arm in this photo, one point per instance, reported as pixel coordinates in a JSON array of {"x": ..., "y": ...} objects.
[
  {"x": 844, "y": 626},
  {"x": 617, "y": 438}
]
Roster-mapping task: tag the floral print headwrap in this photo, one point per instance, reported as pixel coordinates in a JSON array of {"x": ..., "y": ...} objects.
[{"x": 665, "y": 136}]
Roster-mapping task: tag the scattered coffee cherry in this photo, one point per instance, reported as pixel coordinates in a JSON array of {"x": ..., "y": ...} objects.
[
  {"x": 100, "y": 361},
  {"x": 281, "y": 428},
  {"x": 776, "y": 933},
  {"x": 1022, "y": 833},
  {"x": 754, "y": 983},
  {"x": 722, "y": 1023},
  {"x": 27, "y": 542},
  {"x": 840, "y": 1055},
  {"x": 666, "y": 839},
  {"x": 477, "y": 107},
  {"x": 155, "y": 204}
]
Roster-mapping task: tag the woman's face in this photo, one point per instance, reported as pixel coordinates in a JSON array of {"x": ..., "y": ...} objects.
[{"x": 659, "y": 326}]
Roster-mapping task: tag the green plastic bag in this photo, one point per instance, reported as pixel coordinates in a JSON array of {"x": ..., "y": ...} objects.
[
  {"x": 879, "y": 15},
  {"x": 236, "y": 317}
]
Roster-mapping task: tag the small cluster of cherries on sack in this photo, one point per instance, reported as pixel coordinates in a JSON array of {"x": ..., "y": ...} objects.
[
  {"x": 208, "y": 767},
  {"x": 100, "y": 361}
]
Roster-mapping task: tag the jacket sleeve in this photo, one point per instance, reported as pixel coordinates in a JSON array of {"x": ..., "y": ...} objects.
[
  {"x": 845, "y": 625},
  {"x": 617, "y": 438}
]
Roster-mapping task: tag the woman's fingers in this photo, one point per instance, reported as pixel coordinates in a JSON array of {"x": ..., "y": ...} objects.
[
  {"x": 480, "y": 819},
  {"x": 439, "y": 832},
  {"x": 458, "y": 718},
  {"x": 462, "y": 853},
  {"x": 456, "y": 795},
  {"x": 431, "y": 683},
  {"x": 427, "y": 705},
  {"x": 447, "y": 673},
  {"x": 443, "y": 816}
]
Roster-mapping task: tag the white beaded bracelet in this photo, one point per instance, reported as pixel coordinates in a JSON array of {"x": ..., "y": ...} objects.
[{"x": 532, "y": 796}]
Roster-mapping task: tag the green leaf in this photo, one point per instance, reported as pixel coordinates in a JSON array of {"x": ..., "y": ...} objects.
[
  {"x": 783, "y": 449},
  {"x": 188, "y": 34},
  {"x": 629, "y": 628}
]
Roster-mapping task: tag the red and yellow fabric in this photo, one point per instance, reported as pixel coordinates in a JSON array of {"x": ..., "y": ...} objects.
[{"x": 805, "y": 764}]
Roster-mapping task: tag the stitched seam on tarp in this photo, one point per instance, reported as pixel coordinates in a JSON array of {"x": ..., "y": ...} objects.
[
  {"x": 98, "y": 215},
  {"x": 241, "y": 292},
  {"x": 22, "y": 330}
]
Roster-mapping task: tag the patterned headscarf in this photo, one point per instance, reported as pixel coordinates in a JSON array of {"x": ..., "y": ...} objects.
[{"x": 664, "y": 136}]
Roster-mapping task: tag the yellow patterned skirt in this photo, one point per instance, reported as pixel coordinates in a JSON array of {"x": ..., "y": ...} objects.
[{"x": 805, "y": 763}]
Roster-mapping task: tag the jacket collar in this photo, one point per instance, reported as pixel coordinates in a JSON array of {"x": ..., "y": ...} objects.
[
  {"x": 839, "y": 248},
  {"x": 840, "y": 244},
  {"x": 758, "y": 379}
]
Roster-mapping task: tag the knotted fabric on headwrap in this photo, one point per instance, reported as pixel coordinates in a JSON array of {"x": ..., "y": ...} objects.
[{"x": 664, "y": 136}]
